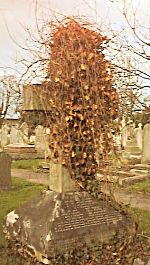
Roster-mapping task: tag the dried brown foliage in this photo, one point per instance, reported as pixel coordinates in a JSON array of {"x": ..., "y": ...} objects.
[{"x": 82, "y": 101}]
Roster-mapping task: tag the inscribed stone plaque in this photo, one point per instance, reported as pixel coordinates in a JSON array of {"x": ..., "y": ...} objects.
[{"x": 5, "y": 170}]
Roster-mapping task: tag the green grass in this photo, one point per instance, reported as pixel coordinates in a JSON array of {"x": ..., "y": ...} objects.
[
  {"x": 143, "y": 186},
  {"x": 142, "y": 217},
  {"x": 26, "y": 164},
  {"x": 20, "y": 192}
]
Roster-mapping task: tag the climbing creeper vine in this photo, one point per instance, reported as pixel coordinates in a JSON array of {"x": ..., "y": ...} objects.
[{"x": 82, "y": 101}]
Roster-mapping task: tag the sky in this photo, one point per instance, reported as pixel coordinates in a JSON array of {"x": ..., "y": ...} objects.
[{"x": 16, "y": 15}]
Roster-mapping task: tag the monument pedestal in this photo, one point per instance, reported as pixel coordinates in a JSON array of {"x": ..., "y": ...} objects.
[
  {"x": 57, "y": 223},
  {"x": 62, "y": 219}
]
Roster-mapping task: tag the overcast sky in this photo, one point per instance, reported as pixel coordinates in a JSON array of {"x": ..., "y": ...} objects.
[{"x": 17, "y": 14}]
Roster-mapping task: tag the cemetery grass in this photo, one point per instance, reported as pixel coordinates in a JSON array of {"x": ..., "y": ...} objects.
[
  {"x": 142, "y": 217},
  {"x": 143, "y": 186},
  {"x": 20, "y": 192},
  {"x": 32, "y": 164}
]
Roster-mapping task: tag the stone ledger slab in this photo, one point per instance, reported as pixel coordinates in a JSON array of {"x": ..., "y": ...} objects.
[
  {"x": 22, "y": 151},
  {"x": 58, "y": 222}
]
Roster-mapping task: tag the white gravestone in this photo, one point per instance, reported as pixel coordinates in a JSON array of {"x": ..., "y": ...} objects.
[
  {"x": 23, "y": 133},
  {"x": 138, "y": 136},
  {"x": 124, "y": 136},
  {"x": 146, "y": 144},
  {"x": 14, "y": 138},
  {"x": 40, "y": 139}
]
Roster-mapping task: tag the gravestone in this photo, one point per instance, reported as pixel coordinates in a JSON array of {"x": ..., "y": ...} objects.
[
  {"x": 40, "y": 139},
  {"x": 23, "y": 133},
  {"x": 32, "y": 139},
  {"x": 124, "y": 136},
  {"x": 62, "y": 218},
  {"x": 146, "y": 144},
  {"x": 54, "y": 223},
  {"x": 14, "y": 135},
  {"x": 5, "y": 171},
  {"x": 5, "y": 135},
  {"x": 138, "y": 136}
]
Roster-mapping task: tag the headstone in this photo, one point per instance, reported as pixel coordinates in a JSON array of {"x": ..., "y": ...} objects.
[
  {"x": 14, "y": 138},
  {"x": 23, "y": 133},
  {"x": 5, "y": 171},
  {"x": 53, "y": 223},
  {"x": 131, "y": 128},
  {"x": 146, "y": 144},
  {"x": 138, "y": 136},
  {"x": 40, "y": 139},
  {"x": 124, "y": 136},
  {"x": 5, "y": 135},
  {"x": 32, "y": 139}
]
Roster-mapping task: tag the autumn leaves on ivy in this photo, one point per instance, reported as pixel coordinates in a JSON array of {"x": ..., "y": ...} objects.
[{"x": 82, "y": 102}]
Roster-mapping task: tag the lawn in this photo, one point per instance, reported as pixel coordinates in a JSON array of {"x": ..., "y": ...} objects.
[
  {"x": 143, "y": 186},
  {"x": 27, "y": 164},
  {"x": 20, "y": 192},
  {"x": 142, "y": 217}
]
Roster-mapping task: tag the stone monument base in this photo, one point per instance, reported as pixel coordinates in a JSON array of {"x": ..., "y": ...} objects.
[
  {"x": 22, "y": 151},
  {"x": 55, "y": 222}
]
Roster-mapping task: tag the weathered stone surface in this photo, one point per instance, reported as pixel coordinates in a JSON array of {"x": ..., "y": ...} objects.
[
  {"x": 146, "y": 144},
  {"x": 60, "y": 180},
  {"x": 138, "y": 262},
  {"x": 5, "y": 171},
  {"x": 40, "y": 139},
  {"x": 124, "y": 136},
  {"x": 138, "y": 134},
  {"x": 14, "y": 138},
  {"x": 4, "y": 135},
  {"x": 22, "y": 151},
  {"x": 56, "y": 222}
]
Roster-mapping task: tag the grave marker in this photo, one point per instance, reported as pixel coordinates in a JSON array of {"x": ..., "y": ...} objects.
[{"x": 5, "y": 171}]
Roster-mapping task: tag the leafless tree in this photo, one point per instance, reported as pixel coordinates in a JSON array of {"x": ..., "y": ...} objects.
[{"x": 9, "y": 97}]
